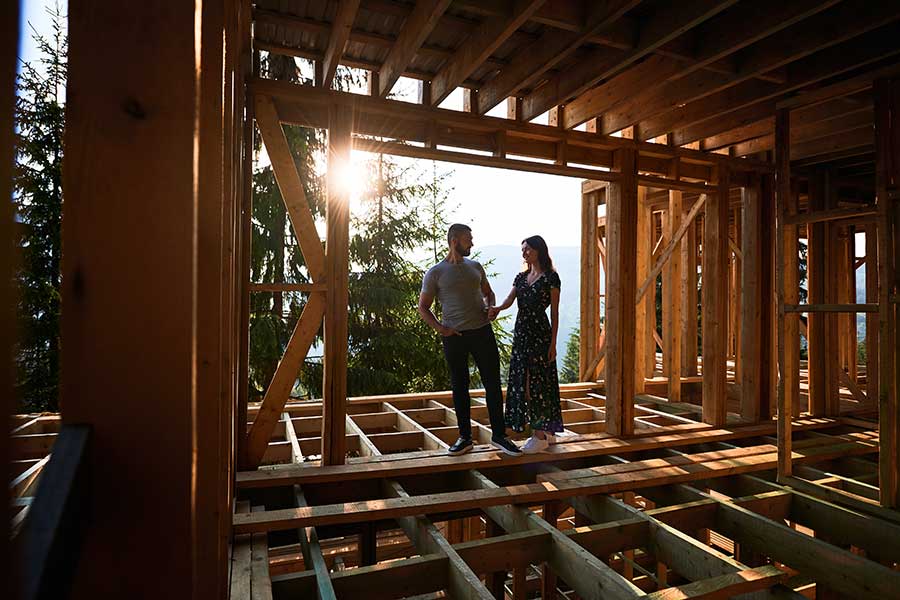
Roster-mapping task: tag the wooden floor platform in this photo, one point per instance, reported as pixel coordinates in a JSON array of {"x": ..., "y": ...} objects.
[{"x": 683, "y": 510}]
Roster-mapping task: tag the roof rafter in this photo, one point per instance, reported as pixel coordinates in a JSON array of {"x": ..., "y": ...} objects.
[
  {"x": 416, "y": 28},
  {"x": 665, "y": 26},
  {"x": 337, "y": 41},
  {"x": 849, "y": 55},
  {"x": 546, "y": 52},
  {"x": 717, "y": 38},
  {"x": 482, "y": 42}
]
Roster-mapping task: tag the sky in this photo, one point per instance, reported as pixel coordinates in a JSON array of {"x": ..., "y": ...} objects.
[{"x": 34, "y": 12}]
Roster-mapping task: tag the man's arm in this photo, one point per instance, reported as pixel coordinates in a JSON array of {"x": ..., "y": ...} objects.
[{"x": 425, "y": 302}]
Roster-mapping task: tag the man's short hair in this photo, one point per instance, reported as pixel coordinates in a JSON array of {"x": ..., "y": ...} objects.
[{"x": 455, "y": 230}]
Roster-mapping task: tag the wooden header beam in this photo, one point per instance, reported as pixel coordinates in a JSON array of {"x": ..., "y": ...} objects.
[{"x": 308, "y": 106}]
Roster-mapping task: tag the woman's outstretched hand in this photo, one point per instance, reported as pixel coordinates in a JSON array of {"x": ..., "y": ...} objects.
[{"x": 492, "y": 312}]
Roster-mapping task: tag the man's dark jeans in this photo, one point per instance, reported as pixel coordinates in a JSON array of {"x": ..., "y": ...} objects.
[{"x": 482, "y": 345}]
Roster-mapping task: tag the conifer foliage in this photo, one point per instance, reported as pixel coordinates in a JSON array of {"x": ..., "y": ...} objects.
[{"x": 38, "y": 197}]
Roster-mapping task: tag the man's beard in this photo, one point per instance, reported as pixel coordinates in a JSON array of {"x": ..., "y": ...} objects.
[{"x": 465, "y": 251}]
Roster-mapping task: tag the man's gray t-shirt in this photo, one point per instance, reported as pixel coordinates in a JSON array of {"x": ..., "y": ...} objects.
[{"x": 458, "y": 288}]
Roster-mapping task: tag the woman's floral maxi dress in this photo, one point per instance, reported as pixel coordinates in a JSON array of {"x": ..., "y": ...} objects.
[{"x": 529, "y": 365}]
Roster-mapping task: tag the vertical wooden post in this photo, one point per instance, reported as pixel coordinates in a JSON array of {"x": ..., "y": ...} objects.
[
  {"x": 470, "y": 100},
  {"x": 424, "y": 93},
  {"x": 887, "y": 184},
  {"x": 736, "y": 297},
  {"x": 621, "y": 222},
  {"x": 337, "y": 274},
  {"x": 832, "y": 266},
  {"x": 590, "y": 306},
  {"x": 872, "y": 326},
  {"x": 494, "y": 581},
  {"x": 672, "y": 289},
  {"x": 514, "y": 108},
  {"x": 769, "y": 345},
  {"x": 520, "y": 582},
  {"x": 850, "y": 266},
  {"x": 156, "y": 122},
  {"x": 240, "y": 427},
  {"x": 368, "y": 544},
  {"x": 645, "y": 321},
  {"x": 213, "y": 396},
  {"x": 9, "y": 34},
  {"x": 689, "y": 257},
  {"x": 548, "y": 577},
  {"x": 820, "y": 388},
  {"x": 715, "y": 298},
  {"x": 751, "y": 298},
  {"x": 789, "y": 267},
  {"x": 756, "y": 304}
]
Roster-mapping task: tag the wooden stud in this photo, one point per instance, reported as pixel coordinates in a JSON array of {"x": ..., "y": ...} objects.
[
  {"x": 715, "y": 297},
  {"x": 645, "y": 312},
  {"x": 689, "y": 260},
  {"x": 124, "y": 254},
  {"x": 495, "y": 580},
  {"x": 334, "y": 386},
  {"x": 752, "y": 300},
  {"x": 548, "y": 577},
  {"x": 786, "y": 286},
  {"x": 590, "y": 286},
  {"x": 872, "y": 327},
  {"x": 368, "y": 545},
  {"x": 672, "y": 288},
  {"x": 790, "y": 267},
  {"x": 768, "y": 367},
  {"x": 850, "y": 298},
  {"x": 735, "y": 300},
  {"x": 816, "y": 286},
  {"x": 887, "y": 109},
  {"x": 8, "y": 264},
  {"x": 621, "y": 288}
]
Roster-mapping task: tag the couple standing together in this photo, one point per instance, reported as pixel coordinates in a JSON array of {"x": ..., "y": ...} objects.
[{"x": 468, "y": 307}]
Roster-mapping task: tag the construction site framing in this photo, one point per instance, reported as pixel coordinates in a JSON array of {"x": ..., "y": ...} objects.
[{"x": 702, "y": 457}]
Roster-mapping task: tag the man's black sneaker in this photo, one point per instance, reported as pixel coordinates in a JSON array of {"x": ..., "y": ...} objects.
[
  {"x": 506, "y": 445},
  {"x": 461, "y": 446}
]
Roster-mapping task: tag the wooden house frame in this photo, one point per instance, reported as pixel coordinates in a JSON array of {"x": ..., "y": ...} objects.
[{"x": 711, "y": 133}]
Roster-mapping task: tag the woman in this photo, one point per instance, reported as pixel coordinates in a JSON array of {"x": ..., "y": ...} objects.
[{"x": 532, "y": 395}]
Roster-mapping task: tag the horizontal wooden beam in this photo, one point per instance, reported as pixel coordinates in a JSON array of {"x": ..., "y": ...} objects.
[
  {"x": 831, "y": 308},
  {"x": 287, "y": 287},
  {"x": 836, "y": 214},
  {"x": 307, "y": 106},
  {"x": 543, "y": 491}
]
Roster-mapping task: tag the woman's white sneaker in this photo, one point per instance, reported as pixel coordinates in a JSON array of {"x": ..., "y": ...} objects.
[{"x": 535, "y": 445}]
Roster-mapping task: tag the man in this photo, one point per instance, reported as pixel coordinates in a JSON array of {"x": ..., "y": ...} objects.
[{"x": 465, "y": 295}]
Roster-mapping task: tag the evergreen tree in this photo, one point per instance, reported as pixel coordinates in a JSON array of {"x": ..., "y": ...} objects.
[
  {"x": 37, "y": 190},
  {"x": 569, "y": 372},
  {"x": 391, "y": 349}
]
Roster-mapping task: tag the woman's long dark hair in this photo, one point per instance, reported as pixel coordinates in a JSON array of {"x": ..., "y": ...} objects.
[{"x": 536, "y": 242}]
